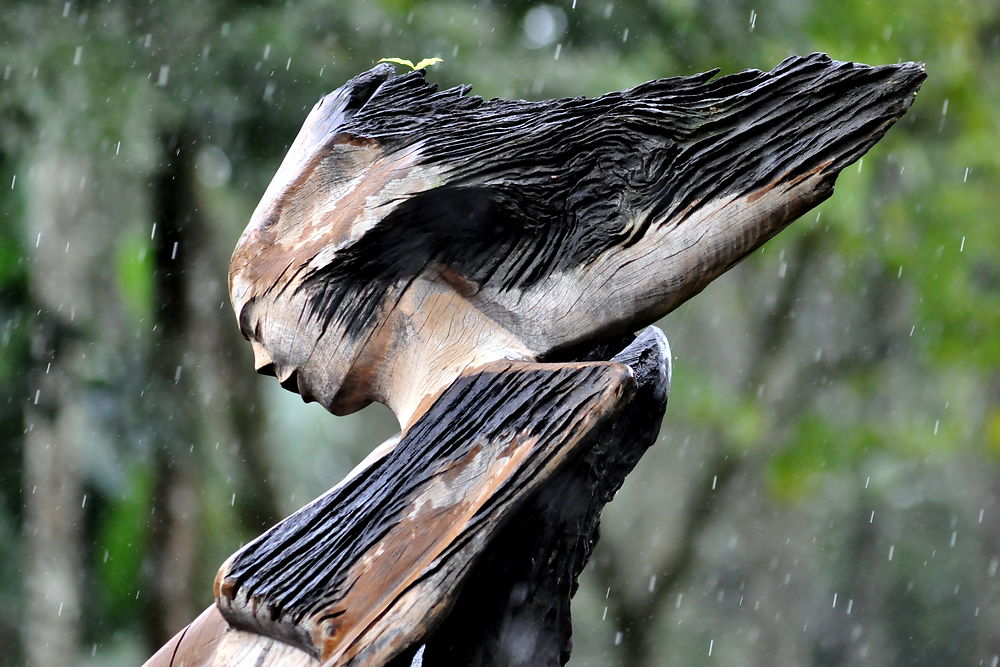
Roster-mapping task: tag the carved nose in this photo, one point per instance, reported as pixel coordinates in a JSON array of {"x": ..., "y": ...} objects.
[{"x": 262, "y": 361}]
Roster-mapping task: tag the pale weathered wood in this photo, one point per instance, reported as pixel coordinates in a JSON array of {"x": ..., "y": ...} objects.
[{"x": 208, "y": 641}]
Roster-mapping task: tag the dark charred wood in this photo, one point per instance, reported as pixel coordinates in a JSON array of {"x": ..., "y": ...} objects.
[{"x": 515, "y": 609}]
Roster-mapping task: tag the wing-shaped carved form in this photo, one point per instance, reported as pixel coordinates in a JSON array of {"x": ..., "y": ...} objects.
[
  {"x": 403, "y": 215},
  {"x": 453, "y": 258},
  {"x": 355, "y": 574}
]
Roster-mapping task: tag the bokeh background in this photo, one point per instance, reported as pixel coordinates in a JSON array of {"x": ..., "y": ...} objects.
[{"x": 826, "y": 487}]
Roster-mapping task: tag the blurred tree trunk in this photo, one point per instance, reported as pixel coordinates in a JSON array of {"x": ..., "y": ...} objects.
[
  {"x": 174, "y": 536},
  {"x": 52, "y": 517},
  {"x": 60, "y": 203},
  {"x": 199, "y": 393},
  {"x": 228, "y": 394}
]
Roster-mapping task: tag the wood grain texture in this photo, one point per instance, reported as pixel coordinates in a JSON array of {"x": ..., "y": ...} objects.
[
  {"x": 356, "y": 575},
  {"x": 538, "y": 225}
]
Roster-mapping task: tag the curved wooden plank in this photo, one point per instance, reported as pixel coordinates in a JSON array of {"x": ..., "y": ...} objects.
[{"x": 354, "y": 577}]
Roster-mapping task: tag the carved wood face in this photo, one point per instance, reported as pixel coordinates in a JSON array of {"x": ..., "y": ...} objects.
[{"x": 410, "y": 234}]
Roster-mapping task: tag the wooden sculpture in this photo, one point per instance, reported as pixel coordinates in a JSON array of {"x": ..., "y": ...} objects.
[{"x": 477, "y": 266}]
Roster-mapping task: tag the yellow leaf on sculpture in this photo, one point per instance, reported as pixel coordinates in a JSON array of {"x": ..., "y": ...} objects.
[
  {"x": 426, "y": 62},
  {"x": 398, "y": 61}
]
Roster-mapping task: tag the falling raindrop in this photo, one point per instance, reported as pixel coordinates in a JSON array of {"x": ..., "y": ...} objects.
[
  {"x": 543, "y": 25},
  {"x": 892, "y": 548},
  {"x": 753, "y": 20},
  {"x": 78, "y": 55}
]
